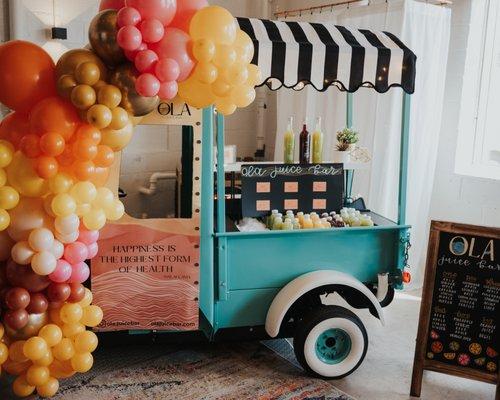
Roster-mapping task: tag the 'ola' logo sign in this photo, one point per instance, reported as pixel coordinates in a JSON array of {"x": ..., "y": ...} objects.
[{"x": 174, "y": 109}]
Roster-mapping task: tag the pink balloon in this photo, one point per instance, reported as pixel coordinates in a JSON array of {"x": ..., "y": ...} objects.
[
  {"x": 164, "y": 10},
  {"x": 147, "y": 85},
  {"x": 131, "y": 54},
  {"x": 88, "y": 237},
  {"x": 129, "y": 37},
  {"x": 185, "y": 11},
  {"x": 75, "y": 252},
  {"x": 152, "y": 30},
  {"x": 167, "y": 70},
  {"x": 168, "y": 90},
  {"x": 111, "y": 4},
  {"x": 92, "y": 250},
  {"x": 80, "y": 273},
  {"x": 145, "y": 60},
  {"x": 62, "y": 272},
  {"x": 175, "y": 44},
  {"x": 128, "y": 16}
]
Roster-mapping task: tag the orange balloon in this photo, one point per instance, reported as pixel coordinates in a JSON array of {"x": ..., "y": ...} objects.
[
  {"x": 54, "y": 115},
  {"x": 13, "y": 127},
  {"x": 30, "y": 145},
  {"x": 27, "y": 75},
  {"x": 83, "y": 170},
  {"x": 46, "y": 167},
  {"x": 89, "y": 132},
  {"x": 100, "y": 176},
  {"x": 66, "y": 159},
  {"x": 16, "y": 368},
  {"x": 104, "y": 157},
  {"x": 52, "y": 144},
  {"x": 84, "y": 149}
]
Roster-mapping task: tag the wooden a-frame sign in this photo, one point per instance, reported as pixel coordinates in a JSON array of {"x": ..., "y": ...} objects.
[{"x": 459, "y": 325}]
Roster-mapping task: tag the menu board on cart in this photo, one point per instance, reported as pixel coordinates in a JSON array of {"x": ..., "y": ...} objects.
[
  {"x": 459, "y": 317},
  {"x": 311, "y": 187}
]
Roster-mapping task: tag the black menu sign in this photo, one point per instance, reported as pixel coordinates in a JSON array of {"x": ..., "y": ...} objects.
[
  {"x": 459, "y": 316},
  {"x": 312, "y": 187}
]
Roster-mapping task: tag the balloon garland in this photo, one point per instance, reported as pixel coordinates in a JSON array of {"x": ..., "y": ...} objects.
[{"x": 57, "y": 146}]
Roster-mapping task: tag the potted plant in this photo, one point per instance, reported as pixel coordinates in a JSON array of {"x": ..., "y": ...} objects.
[{"x": 346, "y": 142}]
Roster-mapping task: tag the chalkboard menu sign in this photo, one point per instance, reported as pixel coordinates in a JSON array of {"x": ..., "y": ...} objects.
[
  {"x": 460, "y": 312},
  {"x": 313, "y": 187}
]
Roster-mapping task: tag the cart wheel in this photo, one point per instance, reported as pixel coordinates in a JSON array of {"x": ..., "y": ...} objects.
[{"x": 331, "y": 342}]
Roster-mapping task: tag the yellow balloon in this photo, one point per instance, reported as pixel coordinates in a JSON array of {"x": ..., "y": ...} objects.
[
  {"x": 221, "y": 88},
  {"x": 95, "y": 219},
  {"x": 82, "y": 362},
  {"x": 37, "y": 375},
  {"x": 71, "y": 313},
  {"x": 87, "y": 300},
  {"x": 82, "y": 209},
  {"x": 84, "y": 192},
  {"x": 21, "y": 387},
  {"x": 118, "y": 139},
  {"x": 4, "y": 220},
  {"x": 4, "y": 353},
  {"x": 225, "y": 106},
  {"x": 61, "y": 369},
  {"x": 243, "y": 95},
  {"x": 49, "y": 389},
  {"x": 73, "y": 329},
  {"x": 195, "y": 93},
  {"x": 52, "y": 334},
  {"x": 225, "y": 56},
  {"x": 254, "y": 75},
  {"x": 92, "y": 316},
  {"x": 3, "y": 177},
  {"x": 63, "y": 205},
  {"x": 204, "y": 50},
  {"x": 206, "y": 72},
  {"x": 115, "y": 211},
  {"x": 9, "y": 198},
  {"x": 86, "y": 342},
  {"x": 237, "y": 74},
  {"x": 104, "y": 198},
  {"x": 215, "y": 23},
  {"x": 64, "y": 350},
  {"x": 6, "y": 153},
  {"x": 24, "y": 179},
  {"x": 60, "y": 183},
  {"x": 244, "y": 47},
  {"x": 46, "y": 360},
  {"x": 35, "y": 348}
]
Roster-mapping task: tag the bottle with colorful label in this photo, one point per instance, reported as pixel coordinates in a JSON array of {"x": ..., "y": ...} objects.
[
  {"x": 317, "y": 143},
  {"x": 289, "y": 143},
  {"x": 305, "y": 144}
]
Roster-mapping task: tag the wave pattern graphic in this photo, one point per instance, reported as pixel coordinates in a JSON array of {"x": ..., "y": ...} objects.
[{"x": 141, "y": 301}]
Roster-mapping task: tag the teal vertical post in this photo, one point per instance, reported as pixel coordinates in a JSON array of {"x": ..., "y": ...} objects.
[
  {"x": 221, "y": 176},
  {"x": 207, "y": 217},
  {"x": 349, "y": 173},
  {"x": 403, "y": 160}
]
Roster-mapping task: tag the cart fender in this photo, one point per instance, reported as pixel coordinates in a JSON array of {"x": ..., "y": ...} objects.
[{"x": 304, "y": 284}]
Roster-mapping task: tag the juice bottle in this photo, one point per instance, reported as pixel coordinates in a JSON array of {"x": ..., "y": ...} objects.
[
  {"x": 325, "y": 223},
  {"x": 270, "y": 219},
  {"x": 289, "y": 214},
  {"x": 317, "y": 143},
  {"x": 305, "y": 144},
  {"x": 308, "y": 223},
  {"x": 300, "y": 217},
  {"x": 287, "y": 225},
  {"x": 317, "y": 224},
  {"x": 296, "y": 223},
  {"x": 277, "y": 222},
  {"x": 289, "y": 143}
]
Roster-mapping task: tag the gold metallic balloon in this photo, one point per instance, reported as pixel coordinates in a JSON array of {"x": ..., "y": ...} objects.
[
  {"x": 73, "y": 58},
  {"x": 124, "y": 78},
  {"x": 102, "y": 38},
  {"x": 35, "y": 323}
]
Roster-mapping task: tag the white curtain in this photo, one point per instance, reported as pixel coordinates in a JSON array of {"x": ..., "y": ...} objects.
[{"x": 425, "y": 29}]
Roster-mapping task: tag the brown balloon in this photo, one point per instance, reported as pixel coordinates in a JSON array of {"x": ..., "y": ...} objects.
[
  {"x": 32, "y": 327},
  {"x": 23, "y": 276},
  {"x": 58, "y": 292},
  {"x": 38, "y": 304},
  {"x": 77, "y": 292},
  {"x": 16, "y": 319},
  {"x": 73, "y": 58},
  {"x": 17, "y": 298},
  {"x": 124, "y": 78},
  {"x": 102, "y": 38}
]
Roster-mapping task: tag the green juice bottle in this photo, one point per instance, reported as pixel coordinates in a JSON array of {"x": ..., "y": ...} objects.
[
  {"x": 317, "y": 143},
  {"x": 289, "y": 143}
]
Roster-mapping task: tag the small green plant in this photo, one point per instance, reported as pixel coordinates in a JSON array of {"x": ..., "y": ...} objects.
[
  {"x": 347, "y": 136},
  {"x": 342, "y": 146}
]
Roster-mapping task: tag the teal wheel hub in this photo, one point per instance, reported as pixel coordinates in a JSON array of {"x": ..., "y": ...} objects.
[{"x": 333, "y": 346}]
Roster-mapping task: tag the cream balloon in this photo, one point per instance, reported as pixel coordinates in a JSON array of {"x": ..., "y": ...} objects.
[
  {"x": 66, "y": 239},
  {"x": 29, "y": 214},
  {"x": 43, "y": 263},
  {"x": 117, "y": 139},
  {"x": 67, "y": 225},
  {"x": 22, "y": 253},
  {"x": 57, "y": 249},
  {"x": 41, "y": 239}
]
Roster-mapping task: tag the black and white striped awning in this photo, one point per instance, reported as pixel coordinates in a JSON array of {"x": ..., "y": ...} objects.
[{"x": 294, "y": 54}]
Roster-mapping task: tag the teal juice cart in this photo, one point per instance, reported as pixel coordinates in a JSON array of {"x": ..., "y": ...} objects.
[{"x": 273, "y": 284}]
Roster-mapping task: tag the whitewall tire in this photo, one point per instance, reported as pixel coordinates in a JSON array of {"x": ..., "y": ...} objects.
[{"x": 331, "y": 342}]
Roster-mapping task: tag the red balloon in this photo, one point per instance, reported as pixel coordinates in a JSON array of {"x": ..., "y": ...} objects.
[
  {"x": 16, "y": 319},
  {"x": 111, "y": 4},
  {"x": 13, "y": 127},
  {"x": 38, "y": 304},
  {"x": 58, "y": 292},
  {"x": 26, "y": 75},
  {"x": 185, "y": 11},
  {"x": 23, "y": 276},
  {"x": 17, "y": 298},
  {"x": 163, "y": 10},
  {"x": 77, "y": 292},
  {"x": 54, "y": 115}
]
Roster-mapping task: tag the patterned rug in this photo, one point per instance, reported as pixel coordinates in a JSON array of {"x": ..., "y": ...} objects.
[{"x": 205, "y": 372}]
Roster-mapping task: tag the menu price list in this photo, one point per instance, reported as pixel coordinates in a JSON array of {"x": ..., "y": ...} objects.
[{"x": 463, "y": 327}]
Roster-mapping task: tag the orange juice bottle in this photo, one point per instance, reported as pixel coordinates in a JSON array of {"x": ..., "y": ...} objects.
[
  {"x": 300, "y": 216},
  {"x": 308, "y": 223}
]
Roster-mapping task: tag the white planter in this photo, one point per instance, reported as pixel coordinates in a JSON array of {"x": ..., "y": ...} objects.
[{"x": 341, "y": 157}]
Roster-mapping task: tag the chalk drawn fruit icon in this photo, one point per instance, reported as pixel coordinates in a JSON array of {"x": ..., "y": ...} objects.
[
  {"x": 454, "y": 346},
  {"x": 437, "y": 347},
  {"x": 450, "y": 356},
  {"x": 490, "y": 352},
  {"x": 463, "y": 359},
  {"x": 480, "y": 362},
  {"x": 430, "y": 355},
  {"x": 475, "y": 349},
  {"x": 491, "y": 366},
  {"x": 434, "y": 335}
]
